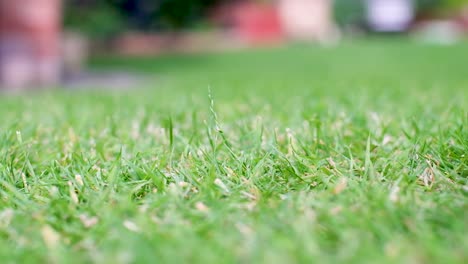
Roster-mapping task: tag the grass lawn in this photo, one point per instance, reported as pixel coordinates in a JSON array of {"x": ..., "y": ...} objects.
[{"x": 352, "y": 154}]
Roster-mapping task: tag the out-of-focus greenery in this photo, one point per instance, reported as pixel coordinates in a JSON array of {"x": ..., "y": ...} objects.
[
  {"x": 349, "y": 12},
  {"x": 439, "y": 6},
  {"x": 107, "y": 17},
  {"x": 352, "y": 12},
  {"x": 454, "y": 4},
  {"x": 96, "y": 19}
]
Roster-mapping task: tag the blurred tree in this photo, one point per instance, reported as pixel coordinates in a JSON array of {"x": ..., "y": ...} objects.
[
  {"x": 349, "y": 12},
  {"x": 137, "y": 13},
  {"x": 454, "y": 4},
  {"x": 95, "y": 18},
  {"x": 439, "y": 7},
  {"x": 352, "y": 12},
  {"x": 106, "y": 17}
]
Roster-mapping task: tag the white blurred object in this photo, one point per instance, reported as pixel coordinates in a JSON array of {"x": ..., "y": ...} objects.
[
  {"x": 390, "y": 15},
  {"x": 443, "y": 32}
]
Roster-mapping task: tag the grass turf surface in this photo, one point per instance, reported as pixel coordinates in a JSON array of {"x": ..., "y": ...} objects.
[{"x": 356, "y": 153}]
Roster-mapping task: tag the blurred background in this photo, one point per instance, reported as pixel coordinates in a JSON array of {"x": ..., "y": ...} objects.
[{"x": 45, "y": 43}]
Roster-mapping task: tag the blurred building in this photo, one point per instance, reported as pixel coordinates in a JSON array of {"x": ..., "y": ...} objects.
[{"x": 29, "y": 43}]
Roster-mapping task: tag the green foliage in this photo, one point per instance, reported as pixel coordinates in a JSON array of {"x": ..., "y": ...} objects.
[
  {"x": 182, "y": 13},
  {"x": 353, "y": 12},
  {"x": 349, "y": 12},
  {"x": 108, "y": 17},
  {"x": 95, "y": 20},
  {"x": 454, "y": 4},
  {"x": 112, "y": 16}
]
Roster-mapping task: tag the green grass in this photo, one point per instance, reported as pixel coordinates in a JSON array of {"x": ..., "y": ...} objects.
[{"x": 352, "y": 154}]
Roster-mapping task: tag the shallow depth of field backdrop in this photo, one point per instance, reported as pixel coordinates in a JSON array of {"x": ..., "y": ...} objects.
[{"x": 352, "y": 151}]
